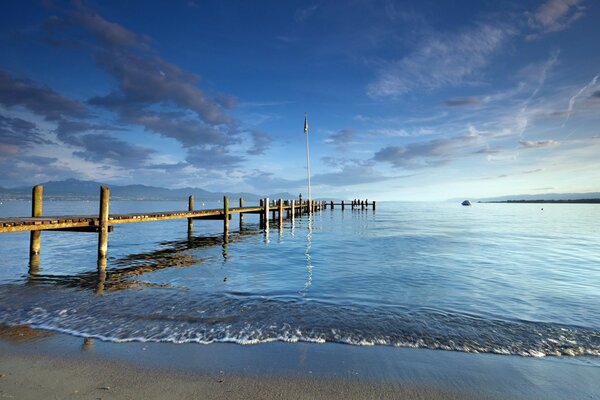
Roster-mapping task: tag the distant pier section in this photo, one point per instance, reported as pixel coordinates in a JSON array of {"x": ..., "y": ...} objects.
[{"x": 103, "y": 223}]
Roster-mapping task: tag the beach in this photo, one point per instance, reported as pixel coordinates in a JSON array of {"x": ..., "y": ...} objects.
[{"x": 36, "y": 364}]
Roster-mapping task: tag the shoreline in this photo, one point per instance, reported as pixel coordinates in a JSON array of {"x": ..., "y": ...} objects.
[{"x": 36, "y": 363}]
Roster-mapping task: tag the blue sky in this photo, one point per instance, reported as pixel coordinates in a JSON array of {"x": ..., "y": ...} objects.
[{"x": 423, "y": 100}]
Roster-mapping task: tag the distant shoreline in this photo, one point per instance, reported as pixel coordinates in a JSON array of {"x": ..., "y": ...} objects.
[{"x": 577, "y": 201}]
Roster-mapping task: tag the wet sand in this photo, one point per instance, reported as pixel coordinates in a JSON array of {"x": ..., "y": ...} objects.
[{"x": 35, "y": 364}]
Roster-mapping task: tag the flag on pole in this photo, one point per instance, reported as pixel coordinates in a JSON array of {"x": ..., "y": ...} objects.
[{"x": 305, "y": 123}]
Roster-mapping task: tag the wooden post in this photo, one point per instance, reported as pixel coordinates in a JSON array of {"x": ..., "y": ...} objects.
[
  {"x": 36, "y": 211},
  {"x": 332, "y": 205},
  {"x": 280, "y": 213},
  {"x": 266, "y": 214},
  {"x": 103, "y": 226},
  {"x": 293, "y": 204},
  {"x": 241, "y": 213},
  {"x": 362, "y": 204},
  {"x": 225, "y": 215},
  {"x": 373, "y": 205},
  {"x": 190, "y": 220},
  {"x": 260, "y": 216}
]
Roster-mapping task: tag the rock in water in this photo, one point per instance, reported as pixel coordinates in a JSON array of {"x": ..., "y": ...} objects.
[{"x": 466, "y": 203}]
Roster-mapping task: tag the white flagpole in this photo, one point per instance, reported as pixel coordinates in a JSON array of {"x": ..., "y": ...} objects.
[{"x": 307, "y": 156}]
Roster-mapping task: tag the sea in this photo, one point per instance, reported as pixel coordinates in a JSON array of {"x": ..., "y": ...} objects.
[{"x": 512, "y": 279}]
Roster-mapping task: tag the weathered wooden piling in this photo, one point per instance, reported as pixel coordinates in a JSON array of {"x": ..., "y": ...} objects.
[
  {"x": 103, "y": 226},
  {"x": 266, "y": 214},
  {"x": 36, "y": 211},
  {"x": 241, "y": 214},
  {"x": 225, "y": 215},
  {"x": 343, "y": 205},
  {"x": 373, "y": 205},
  {"x": 280, "y": 213},
  {"x": 260, "y": 216},
  {"x": 190, "y": 220}
]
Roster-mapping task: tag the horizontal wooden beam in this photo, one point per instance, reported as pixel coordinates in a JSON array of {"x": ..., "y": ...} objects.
[
  {"x": 213, "y": 217},
  {"x": 92, "y": 229}
]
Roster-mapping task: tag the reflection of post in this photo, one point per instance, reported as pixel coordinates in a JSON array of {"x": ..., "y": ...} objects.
[
  {"x": 190, "y": 220},
  {"x": 103, "y": 227},
  {"x": 35, "y": 236},
  {"x": 88, "y": 343},
  {"x": 225, "y": 246},
  {"x": 309, "y": 267},
  {"x": 225, "y": 215},
  {"x": 241, "y": 213}
]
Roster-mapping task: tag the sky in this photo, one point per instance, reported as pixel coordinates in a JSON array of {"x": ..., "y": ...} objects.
[{"x": 406, "y": 100}]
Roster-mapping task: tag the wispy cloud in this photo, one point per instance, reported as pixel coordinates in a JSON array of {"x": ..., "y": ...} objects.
[
  {"x": 441, "y": 60},
  {"x": 462, "y": 101},
  {"x": 302, "y": 14},
  {"x": 554, "y": 16},
  {"x": 343, "y": 138},
  {"x": 426, "y": 154},
  {"x": 512, "y": 174},
  {"x": 535, "y": 144},
  {"x": 591, "y": 84}
]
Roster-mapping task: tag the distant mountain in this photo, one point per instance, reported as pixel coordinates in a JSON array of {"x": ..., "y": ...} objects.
[
  {"x": 74, "y": 189},
  {"x": 540, "y": 197}
]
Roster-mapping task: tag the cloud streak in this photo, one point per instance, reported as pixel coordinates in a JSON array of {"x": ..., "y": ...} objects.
[
  {"x": 430, "y": 153},
  {"x": 441, "y": 60},
  {"x": 536, "y": 144}
]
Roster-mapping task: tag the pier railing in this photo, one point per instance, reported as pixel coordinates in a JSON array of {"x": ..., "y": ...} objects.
[{"x": 103, "y": 223}]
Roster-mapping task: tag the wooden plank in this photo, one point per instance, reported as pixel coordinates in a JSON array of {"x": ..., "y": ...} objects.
[{"x": 92, "y": 229}]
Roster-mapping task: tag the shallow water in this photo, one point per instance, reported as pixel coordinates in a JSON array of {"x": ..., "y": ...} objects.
[{"x": 499, "y": 278}]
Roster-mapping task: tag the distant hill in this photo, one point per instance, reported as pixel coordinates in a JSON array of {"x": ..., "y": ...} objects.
[
  {"x": 559, "y": 197},
  {"x": 74, "y": 189}
]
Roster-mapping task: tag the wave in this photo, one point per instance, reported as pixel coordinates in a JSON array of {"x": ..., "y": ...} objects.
[{"x": 246, "y": 321}]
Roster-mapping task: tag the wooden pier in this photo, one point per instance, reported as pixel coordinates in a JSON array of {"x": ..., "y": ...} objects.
[{"x": 103, "y": 223}]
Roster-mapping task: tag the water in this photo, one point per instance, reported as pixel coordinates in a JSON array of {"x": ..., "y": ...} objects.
[{"x": 499, "y": 278}]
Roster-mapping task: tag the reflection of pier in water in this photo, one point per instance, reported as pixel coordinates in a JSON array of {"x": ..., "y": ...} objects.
[{"x": 123, "y": 271}]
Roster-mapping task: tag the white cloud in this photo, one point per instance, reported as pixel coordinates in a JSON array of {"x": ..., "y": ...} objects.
[{"x": 441, "y": 60}]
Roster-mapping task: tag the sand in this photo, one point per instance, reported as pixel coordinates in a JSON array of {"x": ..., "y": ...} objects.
[{"x": 35, "y": 364}]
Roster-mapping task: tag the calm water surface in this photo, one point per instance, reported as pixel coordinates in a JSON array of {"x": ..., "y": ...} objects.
[{"x": 501, "y": 278}]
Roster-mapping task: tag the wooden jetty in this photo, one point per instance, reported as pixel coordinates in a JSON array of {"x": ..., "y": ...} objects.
[{"x": 103, "y": 223}]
